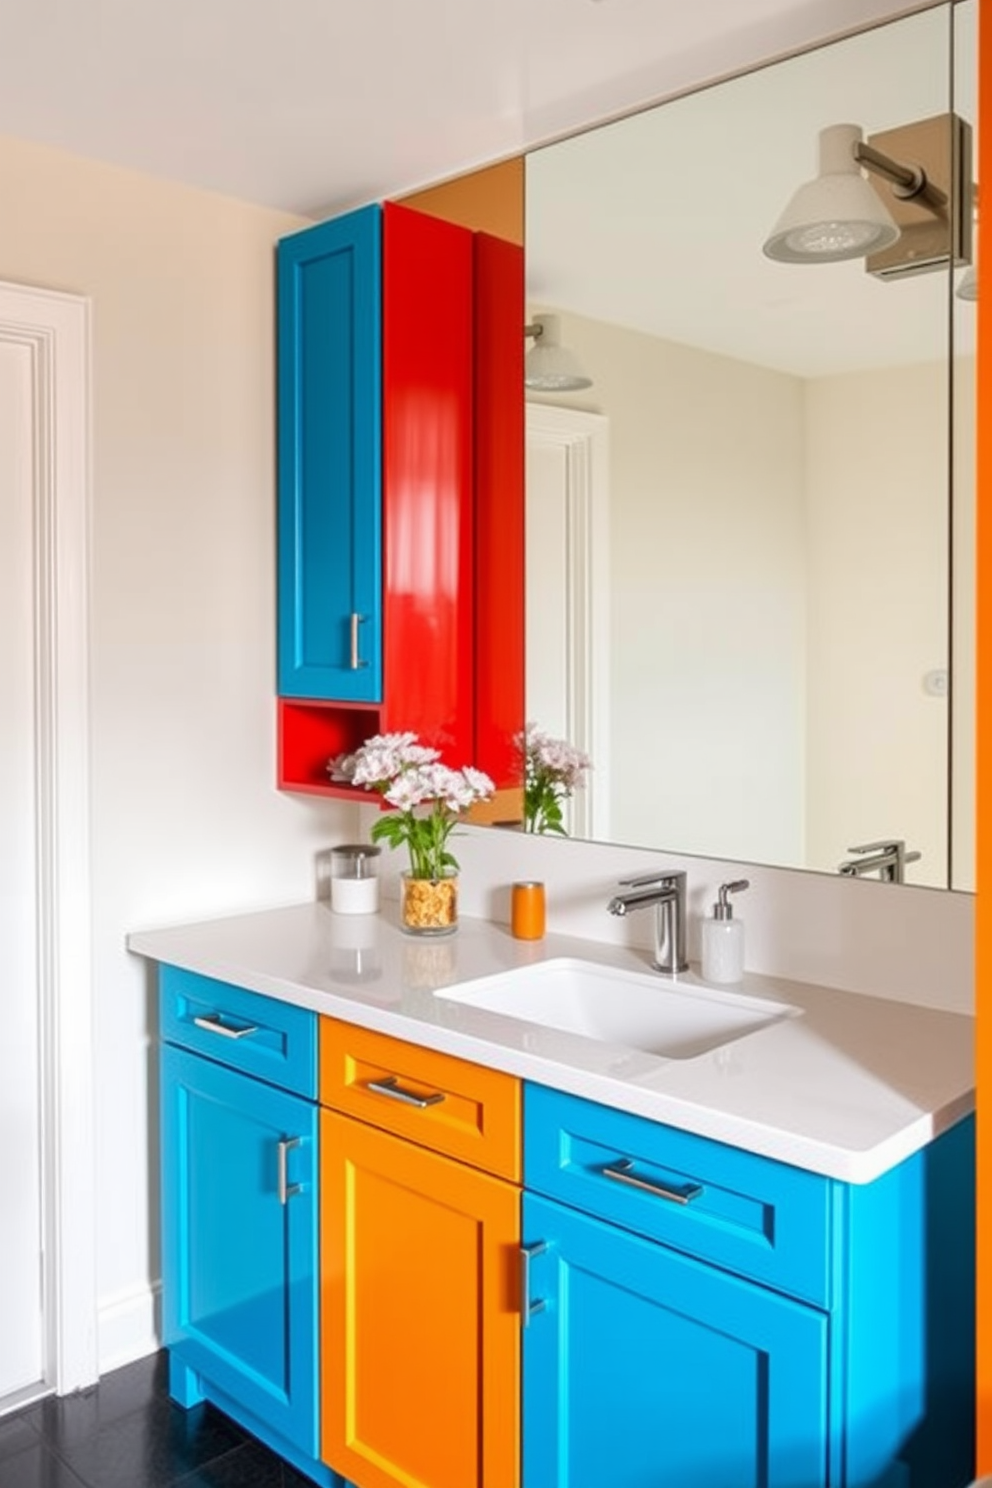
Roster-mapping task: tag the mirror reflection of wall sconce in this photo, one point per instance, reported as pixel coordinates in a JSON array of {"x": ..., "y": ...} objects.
[
  {"x": 916, "y": 218},
  {"x": 968, "y": 287},
  {"x": 550, "y": 367}
]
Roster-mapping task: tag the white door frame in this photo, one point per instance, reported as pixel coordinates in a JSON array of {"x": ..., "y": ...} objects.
[
  {"x": 55, "y": 329},
  {"x": 584, "y": 437}
]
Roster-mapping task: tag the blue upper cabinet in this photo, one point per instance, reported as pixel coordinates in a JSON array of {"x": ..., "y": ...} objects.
[{"x": 329, "y": 299}]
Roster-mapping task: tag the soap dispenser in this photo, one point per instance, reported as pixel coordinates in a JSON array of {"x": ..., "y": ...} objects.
[{"x": 723, "y": 938}]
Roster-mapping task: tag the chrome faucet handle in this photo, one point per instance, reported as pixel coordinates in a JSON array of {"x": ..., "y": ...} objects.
[
  {"x": 889, "y": 845},
  {"x": 645, "y": 880},
  {"x": 666, "y": 893}
]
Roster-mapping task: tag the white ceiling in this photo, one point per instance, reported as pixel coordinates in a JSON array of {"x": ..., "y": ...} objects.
[{"x": 310, "y": 105}]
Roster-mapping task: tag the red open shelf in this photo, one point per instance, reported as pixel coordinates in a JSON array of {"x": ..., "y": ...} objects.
[{"x": 310, "y": 734}]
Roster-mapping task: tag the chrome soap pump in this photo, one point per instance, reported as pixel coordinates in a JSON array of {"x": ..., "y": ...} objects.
[{"x": 723, "y": 938}]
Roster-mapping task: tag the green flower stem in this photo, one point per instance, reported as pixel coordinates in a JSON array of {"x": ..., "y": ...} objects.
[
  {"x": 425, "y": 837},
  {"x": 542, "y": 806}
]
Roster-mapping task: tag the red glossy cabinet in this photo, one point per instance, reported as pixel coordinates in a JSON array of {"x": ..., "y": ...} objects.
[{"x": 499, "y": 505}]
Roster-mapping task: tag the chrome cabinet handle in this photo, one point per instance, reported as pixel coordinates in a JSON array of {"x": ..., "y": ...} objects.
[
  {"x": 213, "y": 1024},
  {"x": 621, "y": 1172},
  {"x": 356, "y": 661},
  {"x": 390, "y": 1086},
  {"x": 286, "y": 1189},
  {"x": 529, "y": 1309}
]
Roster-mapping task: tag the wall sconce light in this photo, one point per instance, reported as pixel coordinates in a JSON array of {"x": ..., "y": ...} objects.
[
  {"x": 550, "y": 367},
  {"x": 916, "y": 218}
]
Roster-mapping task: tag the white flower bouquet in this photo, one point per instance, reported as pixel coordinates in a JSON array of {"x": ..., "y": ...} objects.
[
  {"x": 410, "y": 776},
  {"x": 552, "y": 770}
]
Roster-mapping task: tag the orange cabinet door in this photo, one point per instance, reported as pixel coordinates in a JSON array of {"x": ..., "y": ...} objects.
[{"x": 420, "y": 1319}]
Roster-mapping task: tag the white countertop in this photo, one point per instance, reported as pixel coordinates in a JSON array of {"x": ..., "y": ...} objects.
[{"x": 847, "y": 1088}]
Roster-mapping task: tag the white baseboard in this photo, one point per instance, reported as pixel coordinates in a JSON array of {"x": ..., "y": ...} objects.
[{"x": 129, "y": 1326}]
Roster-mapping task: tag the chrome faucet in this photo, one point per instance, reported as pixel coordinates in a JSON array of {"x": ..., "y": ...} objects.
[
  {"x": 888, "y": 859},
  {"x": 666, "y": 891}
]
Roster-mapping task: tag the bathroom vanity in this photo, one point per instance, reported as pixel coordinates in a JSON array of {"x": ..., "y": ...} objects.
[{"x": 412, "y": 1240}]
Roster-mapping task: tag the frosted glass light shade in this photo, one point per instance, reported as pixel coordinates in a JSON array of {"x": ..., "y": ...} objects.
[
  {"x": 838, "y": 215},
  {"x": 550, "y": 367}
]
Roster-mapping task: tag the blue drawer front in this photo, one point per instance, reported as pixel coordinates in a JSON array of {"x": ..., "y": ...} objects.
[
  {"x": 759, "y": 1218},
  {"x": 259, "y": 1035}
]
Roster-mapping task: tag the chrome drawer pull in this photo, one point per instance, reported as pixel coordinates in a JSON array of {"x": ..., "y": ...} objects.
[
  {"x": 529, "y": 1309},
  {"x": 213, "y": 1024},
  {"x": 287, "y": 1190},
  {"x": 620, "y": 1172},
  {"x": 390, "y": 1086}
]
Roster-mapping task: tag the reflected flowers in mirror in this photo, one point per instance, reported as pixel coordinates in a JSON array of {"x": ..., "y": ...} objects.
[{"x": 552, "y": 770}]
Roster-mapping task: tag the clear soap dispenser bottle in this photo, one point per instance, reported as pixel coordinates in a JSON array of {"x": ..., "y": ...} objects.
[{"x": 723, "y": 938}]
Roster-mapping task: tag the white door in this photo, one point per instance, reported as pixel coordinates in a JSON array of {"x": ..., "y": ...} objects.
[
  {"x": 22, "y": 1360},
  {"x": 48, "y": 1334},
  {"x": 548, "y": 649},
  {"x": 567, "y": 595}
]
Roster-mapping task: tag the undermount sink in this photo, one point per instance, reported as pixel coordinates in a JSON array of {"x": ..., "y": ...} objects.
[{"x": 642, "y": 1010}]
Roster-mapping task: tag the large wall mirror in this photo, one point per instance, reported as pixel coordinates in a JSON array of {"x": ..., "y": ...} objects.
[{"x": 750, "y": 591}]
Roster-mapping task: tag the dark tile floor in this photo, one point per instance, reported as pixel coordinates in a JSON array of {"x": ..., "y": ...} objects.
[{"x": 126, "y": 1433}]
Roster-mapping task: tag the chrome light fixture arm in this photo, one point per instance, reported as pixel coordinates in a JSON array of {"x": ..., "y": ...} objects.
[{"x": 909, "y": 182}]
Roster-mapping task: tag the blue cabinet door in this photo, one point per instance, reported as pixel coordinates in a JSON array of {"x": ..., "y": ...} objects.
[
  {"x": 239, "y": 1263},
  {"x": 329, "y": 291},
  {"x": 646, "y": 1369}
]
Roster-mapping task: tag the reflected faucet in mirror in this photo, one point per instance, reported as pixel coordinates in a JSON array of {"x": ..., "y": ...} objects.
[
  {"x": 667, "y": 892},
  {"x": 888, "y": 859}
]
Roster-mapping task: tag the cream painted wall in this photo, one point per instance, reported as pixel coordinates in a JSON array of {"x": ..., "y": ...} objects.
[
  {"x": 877, "y": 492},
  {"x": 187, "y": 822},
  {"x": 707, "y": 554}
]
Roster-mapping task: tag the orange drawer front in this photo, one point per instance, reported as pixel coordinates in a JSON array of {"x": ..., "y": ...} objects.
[{"x": 460, "y": 1109}]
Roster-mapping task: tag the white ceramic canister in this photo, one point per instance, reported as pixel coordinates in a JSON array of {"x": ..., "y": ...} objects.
[{"x": 355, "y": 878}]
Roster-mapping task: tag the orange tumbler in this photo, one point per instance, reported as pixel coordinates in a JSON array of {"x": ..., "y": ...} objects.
[{"x": 527, "y": 910}]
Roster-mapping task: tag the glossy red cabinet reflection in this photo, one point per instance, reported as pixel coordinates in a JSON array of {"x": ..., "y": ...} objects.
[{"x": 499, "y": 505}]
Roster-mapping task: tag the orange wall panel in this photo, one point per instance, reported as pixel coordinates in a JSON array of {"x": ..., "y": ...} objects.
[{"x": 490, "y": 200}]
